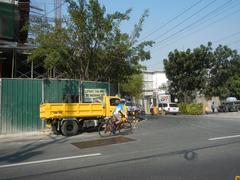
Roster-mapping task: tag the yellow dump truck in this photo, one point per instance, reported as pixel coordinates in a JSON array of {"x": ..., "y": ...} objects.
[{"x": 70, "y": 118}]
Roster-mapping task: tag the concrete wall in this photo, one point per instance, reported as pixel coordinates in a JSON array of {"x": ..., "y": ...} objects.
[{"x": 208, "y": 102}]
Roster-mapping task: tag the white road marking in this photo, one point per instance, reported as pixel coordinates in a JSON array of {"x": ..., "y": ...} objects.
[
  {"x": 223, "y": 137},
  {"x": 50, "y": 160}
]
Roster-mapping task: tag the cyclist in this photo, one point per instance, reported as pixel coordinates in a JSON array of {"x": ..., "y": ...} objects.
[{"x": 119, "y": 112}]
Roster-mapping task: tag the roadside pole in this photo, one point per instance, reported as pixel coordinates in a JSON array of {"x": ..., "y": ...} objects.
[{"x": 43, "y": 122}]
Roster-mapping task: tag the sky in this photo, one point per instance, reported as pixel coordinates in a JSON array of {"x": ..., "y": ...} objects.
[{"x": 175, "y": 24}]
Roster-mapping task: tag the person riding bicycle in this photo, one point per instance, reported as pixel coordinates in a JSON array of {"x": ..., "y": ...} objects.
[{"x": 119, "y": 112}]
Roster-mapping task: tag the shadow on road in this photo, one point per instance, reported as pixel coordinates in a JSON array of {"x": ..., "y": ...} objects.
[{"x": 29, "y": 150}]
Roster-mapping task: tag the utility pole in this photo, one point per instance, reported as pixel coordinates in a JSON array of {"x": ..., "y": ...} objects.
[
  {"x": 13, "y": 62},
  {"x": 57, "y": 6}
]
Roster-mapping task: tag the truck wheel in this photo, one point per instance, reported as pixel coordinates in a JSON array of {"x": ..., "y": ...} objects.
[{"x": 69, "y": 128}]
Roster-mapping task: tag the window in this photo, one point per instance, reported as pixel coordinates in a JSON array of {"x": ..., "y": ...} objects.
[
  {"x": 113, "y": 101},
  {"x": 173, "y": 105},
  {"x": 162, "y": 105}
]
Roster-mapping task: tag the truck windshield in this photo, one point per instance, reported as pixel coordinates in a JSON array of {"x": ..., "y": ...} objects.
[{"x": 113, "y": 101}]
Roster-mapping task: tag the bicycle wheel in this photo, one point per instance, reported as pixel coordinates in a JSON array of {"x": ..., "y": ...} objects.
[
  {"x": 125, "y": 128},
  {"x": 105, "y": 129}
]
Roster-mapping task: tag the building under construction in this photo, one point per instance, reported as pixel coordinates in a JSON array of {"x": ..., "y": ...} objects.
[{"x": 14, "y": 49}]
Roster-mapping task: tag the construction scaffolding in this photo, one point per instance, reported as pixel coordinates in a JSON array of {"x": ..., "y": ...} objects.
[{"x": 14, "y": 52}]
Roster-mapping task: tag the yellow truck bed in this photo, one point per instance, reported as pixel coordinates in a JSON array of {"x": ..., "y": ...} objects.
[{"x": 66, "y": 110}]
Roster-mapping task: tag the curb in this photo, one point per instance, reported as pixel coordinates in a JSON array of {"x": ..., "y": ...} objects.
[{"x": 25, "y": 135}]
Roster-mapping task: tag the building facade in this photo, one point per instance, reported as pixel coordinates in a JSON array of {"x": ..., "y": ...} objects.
[
  {"x": 155, "y": 84},
  {"x": 14, "y": 16}
]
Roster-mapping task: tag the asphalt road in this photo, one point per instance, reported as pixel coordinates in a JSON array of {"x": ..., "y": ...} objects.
[{"x": 170, "y": 147}]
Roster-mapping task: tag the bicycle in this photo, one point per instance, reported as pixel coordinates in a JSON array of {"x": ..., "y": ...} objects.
[{"x": 106, "y": 128}]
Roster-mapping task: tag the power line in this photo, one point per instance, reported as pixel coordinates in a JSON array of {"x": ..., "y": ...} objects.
[
  {"x": 227, "y": 37},
  {"x": 54, "y": 9},
  {"x": 207, "y": 26},
  {"x": 196, "y": 22},
  {"x": 234, "y": 42},
  {"x": 186, "y": 19},
  {"x": 188, "y": 26},
  {"x": 221, "y": 12},
  {"x": 171, "y": 20}
]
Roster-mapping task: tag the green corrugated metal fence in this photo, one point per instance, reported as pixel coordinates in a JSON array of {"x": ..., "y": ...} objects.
[
  {"x": 56, "y": 91},
  {"x": 20, "y": 99}
]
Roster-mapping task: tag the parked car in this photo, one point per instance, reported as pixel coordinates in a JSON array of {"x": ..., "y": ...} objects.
[
  {"x": 137, "y": 108},
  {"x": 168, "y": 108},
  {"x": 131, "y": 107},
  {"x": 229, "y": 106}
]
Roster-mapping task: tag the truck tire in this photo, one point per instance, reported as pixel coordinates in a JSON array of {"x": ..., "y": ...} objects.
[{"x": 69, "y": 128}]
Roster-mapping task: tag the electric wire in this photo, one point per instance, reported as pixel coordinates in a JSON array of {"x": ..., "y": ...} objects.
[
  {"x": 186, "y": 19},
  {"x": 171, "y": 20},
  {"x": 188, "y": 26},
  {"x": 54, "y": 8},
  {"x": 208, "y": 25},
  {"x": 233, "y": 42},
  {"x": 205, "y": 27},
  {"x": 227, "y": 37}
]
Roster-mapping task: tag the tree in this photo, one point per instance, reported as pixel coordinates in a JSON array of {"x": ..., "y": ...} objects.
[
  {"x": 133, "y": 87},
  {"x": 203, "y": 71},
  {"x": 224, "y": 73},
  {"x": 235, "y": 86},
  {"x": 187, "y": 71},
  {"x": 91, "y": 46},
  {"x": 235, "y": 79},
  {"x": 53, "y": 50}
]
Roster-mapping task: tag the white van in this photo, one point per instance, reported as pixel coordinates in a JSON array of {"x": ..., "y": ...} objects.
[{"x": 168, "y": 108}]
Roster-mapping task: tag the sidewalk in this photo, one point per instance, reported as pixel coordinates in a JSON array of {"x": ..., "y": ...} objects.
[
  {"x": 45, "y": 135},
  {"x": 36, "y": 135}
]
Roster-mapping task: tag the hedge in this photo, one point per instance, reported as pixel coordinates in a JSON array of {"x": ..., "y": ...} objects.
[{"x": 191, "y": 109}]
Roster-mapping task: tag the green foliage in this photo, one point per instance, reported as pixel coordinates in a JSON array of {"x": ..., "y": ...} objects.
[
  {"x": 186, "y": 71},
  {"x": 191, "y": 109},
  {"x": 234, "y": 86},
  {"x": 203, "y": 71},
  {"x": 91, "y": 45},
  {"x": 133, "y": 86},
  {"x": 223, "y": 73}
]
